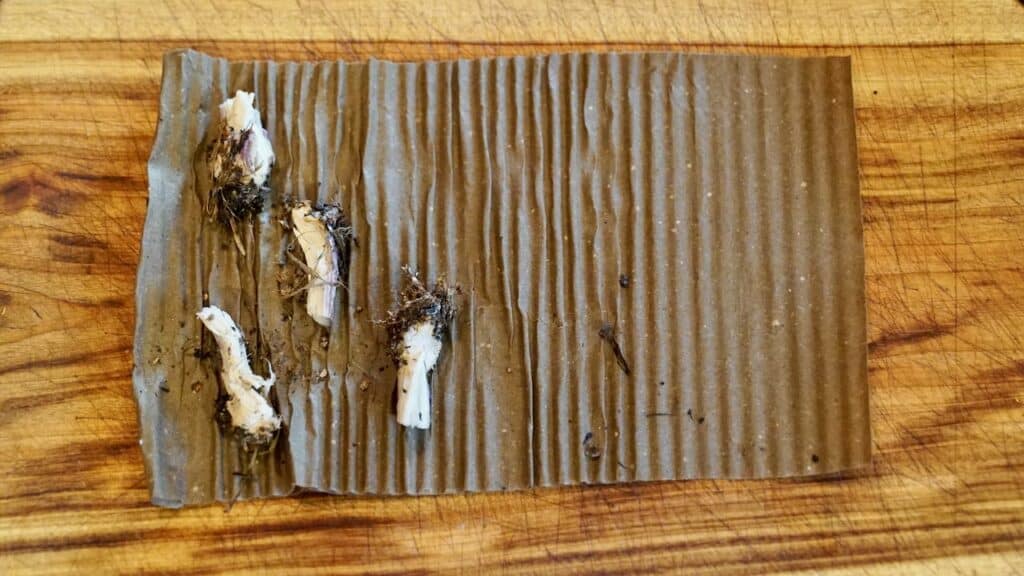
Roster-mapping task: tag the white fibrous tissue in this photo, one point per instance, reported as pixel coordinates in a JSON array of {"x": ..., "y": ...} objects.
[
  {"x": 254, "y": 154},
  {"x": 420, "y": 353},
  {"x": 321, "y": 254},
  {"x": 247, "y": 403}
]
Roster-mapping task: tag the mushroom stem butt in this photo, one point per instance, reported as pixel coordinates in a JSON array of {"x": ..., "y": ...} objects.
[
  {"x": 420, "y": 355},
  {"x": 247, "y": 403}
]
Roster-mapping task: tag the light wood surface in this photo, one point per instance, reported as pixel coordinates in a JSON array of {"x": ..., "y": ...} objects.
[{"x": 939, "y": 90}]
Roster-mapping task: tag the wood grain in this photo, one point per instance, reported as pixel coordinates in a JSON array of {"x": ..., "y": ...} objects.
[
  {"x": 941, "y": 143},
  {"x": 773, "y": 22}
]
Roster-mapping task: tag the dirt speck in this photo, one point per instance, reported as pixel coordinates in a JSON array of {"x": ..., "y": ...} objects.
[
  {"x": 590, "y": 446},
  {"x": 607, "y": 333}
]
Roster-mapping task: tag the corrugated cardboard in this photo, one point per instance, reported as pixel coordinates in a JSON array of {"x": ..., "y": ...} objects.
[{"x": 706, "y": 207}]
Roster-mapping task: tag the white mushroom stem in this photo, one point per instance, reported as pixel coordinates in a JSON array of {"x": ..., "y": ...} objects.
[
  {"x": 321, "y": 262},
  {"x": 421, "y": 349},
  {"x": 257, "y": 155},
  {"x": 247, "y": 402}
]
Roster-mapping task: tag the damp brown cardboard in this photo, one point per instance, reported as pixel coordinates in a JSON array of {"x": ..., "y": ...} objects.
[{"x": 723, "y": 187}]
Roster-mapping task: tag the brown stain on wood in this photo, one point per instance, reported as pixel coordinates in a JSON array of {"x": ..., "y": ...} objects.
[
  {"x": 14, "y": 195},
  {"x": 51, "y": 200},
  {"x": 1012, "y": 372},
  {"x": 63, "y": 254},
  {"x": 55, "y": 202},
  {"x": 944, "y": 492},
  {"x": 80, "y": 249}
]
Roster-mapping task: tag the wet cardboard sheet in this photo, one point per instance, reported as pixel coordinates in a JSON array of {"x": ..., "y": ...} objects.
[{"x": 705, "y": 206}]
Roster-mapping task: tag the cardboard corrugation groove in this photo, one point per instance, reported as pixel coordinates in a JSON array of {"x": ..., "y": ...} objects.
[
  {"x": 820, "y": 280},
  {"x": 285, "y": 327},
  {"x": 608, "y": 399},
  {"x": 786, "y": 347},
  {"x": 780, "y": 337},
  {"x": 738, "y": 425},
  {"x": 723, "y": 186},
  {"x": 336, "y": 131},
  {"x": 758, "y": 393},
  {"x": 649, "y": 404}
]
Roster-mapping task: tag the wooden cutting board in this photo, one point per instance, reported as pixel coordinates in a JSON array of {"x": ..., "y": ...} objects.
[{"x": 939, "y": 92}]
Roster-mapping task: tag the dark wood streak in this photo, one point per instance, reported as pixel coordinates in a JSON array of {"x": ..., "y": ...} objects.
[
  {"x": 875, "y": 201},
  {"x": 1005, "y": 375},
  {"x": 87, "y": 541},
  {"x": 62, "y": 253},
  {"x": 257, "y": 546},
  {"x": 13, "y": 407},
  {"x": 889, "y": 341},
  {"x": 97, "y": 178},
  {"x": 59, "y": 361},
  {"x": 114, "y": 302},
  {"x": 790, "y": 556},
  {"x": 993, "y": 391},
  {"x": 79, "y": 241},
  {"x": 66, "y": 499},
  {"x": 78, "y": 457},
  {"x": 318, "y": 524},
  {"x": 109, "y": 302},
  {"x": 57, "y": 203},
  {"x": 15, "y": 195}
]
